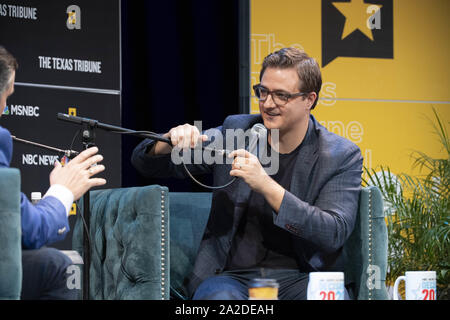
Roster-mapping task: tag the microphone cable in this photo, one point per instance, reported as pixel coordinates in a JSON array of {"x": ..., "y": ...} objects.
[
  {"x": 184, "y": 165},
  {"x": 152, "y": 135},
  {"x": 204, "y": 185}
]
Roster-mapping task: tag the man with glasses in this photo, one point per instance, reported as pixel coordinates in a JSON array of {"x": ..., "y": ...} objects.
[{"x": 279, "y": 226}]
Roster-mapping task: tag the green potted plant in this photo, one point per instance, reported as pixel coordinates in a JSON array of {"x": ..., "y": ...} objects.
[{"x": 418, "y": 214}]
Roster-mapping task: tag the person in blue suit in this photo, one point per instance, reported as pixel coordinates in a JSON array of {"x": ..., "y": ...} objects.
[
  {"x": 44, "y": 269},
  {"x": 283, "y": 224}
]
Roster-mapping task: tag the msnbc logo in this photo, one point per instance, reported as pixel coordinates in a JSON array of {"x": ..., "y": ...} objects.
[{"x": 6, "y": 111}]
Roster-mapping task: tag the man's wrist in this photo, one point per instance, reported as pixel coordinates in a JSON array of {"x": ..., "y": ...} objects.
[
  {"x": 160, "y": 148},
  {"x": 273, "y": 193},
  {"x": 150, "y": 149},
  {"x": 268, "y": 186},
  {"x": 63, "y": 194}
]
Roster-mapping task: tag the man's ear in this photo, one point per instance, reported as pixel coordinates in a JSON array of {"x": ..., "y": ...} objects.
[{"x": 311, "y": 97}]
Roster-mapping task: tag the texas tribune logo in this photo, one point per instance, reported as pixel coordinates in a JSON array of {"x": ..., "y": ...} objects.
[
  {"x": 357, "y": 28},
  {"x": 73, "y": 17}
]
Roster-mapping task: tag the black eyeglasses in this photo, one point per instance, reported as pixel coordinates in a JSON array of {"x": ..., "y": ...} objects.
[{"x": 278, "y": 97}]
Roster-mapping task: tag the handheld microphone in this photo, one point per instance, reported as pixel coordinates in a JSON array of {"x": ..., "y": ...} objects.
[{"x": 259, "y": 131}]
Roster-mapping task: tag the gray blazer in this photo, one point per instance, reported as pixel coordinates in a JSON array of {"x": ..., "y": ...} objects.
[{"x": 319, "y": 210}]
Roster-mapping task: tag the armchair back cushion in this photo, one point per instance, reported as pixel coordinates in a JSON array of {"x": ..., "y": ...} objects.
[
  {"x": 189, "y": 214},
  {"x": 128, "y": 228}
]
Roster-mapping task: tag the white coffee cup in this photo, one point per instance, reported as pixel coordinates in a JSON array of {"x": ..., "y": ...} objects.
[
  {"x": 419, "y": 285},
  {"x": 326, "y": 286}
]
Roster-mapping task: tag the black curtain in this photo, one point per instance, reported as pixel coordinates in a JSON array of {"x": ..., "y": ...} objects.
[{"x": 180, "y": 63}]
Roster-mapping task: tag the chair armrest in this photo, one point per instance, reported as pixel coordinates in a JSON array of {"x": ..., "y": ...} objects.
[{"x": 366, "y": 249}]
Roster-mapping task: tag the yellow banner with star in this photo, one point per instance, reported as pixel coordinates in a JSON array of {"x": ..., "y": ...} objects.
[
  {"x": 356, "y": 17},
  {"x": 384, "y": 66}
]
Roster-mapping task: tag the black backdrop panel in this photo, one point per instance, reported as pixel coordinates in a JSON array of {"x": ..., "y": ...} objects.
[
  {"x": 85, "y": 54},
  {"x": 31, "y": 115},
  {"x": 62, "y": 46}
]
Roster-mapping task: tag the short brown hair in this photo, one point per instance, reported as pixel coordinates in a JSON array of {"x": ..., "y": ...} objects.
[
  {"x": 8, "y": 64},
  {"x": 307, "y": 68}
]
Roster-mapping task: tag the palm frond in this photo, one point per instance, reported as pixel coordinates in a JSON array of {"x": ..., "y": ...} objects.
[{"x": 418, "y": 213}]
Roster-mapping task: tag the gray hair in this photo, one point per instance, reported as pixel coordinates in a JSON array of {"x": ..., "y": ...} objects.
[{"x": 8, "y": 64}]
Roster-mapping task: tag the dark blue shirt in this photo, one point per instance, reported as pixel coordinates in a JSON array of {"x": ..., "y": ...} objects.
[{"x": 258, "y": 241}]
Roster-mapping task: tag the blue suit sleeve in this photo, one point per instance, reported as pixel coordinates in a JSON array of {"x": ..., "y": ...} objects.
[
  {"x": 43, "y": 223},
  {"x": 5, "y": 147}
]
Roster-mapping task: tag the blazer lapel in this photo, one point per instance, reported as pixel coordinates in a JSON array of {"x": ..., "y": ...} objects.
[
  {"x": 242, "y": 190},
  {"x": 241, "y": 204},
  {"x": 306, "y": 159}
]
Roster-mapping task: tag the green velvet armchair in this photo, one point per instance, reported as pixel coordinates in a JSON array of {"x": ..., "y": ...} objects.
[
  {"x": 145, "y": 240},
  {"x": 10, "y": 235},
  {"x": 129, "y": 235}
]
